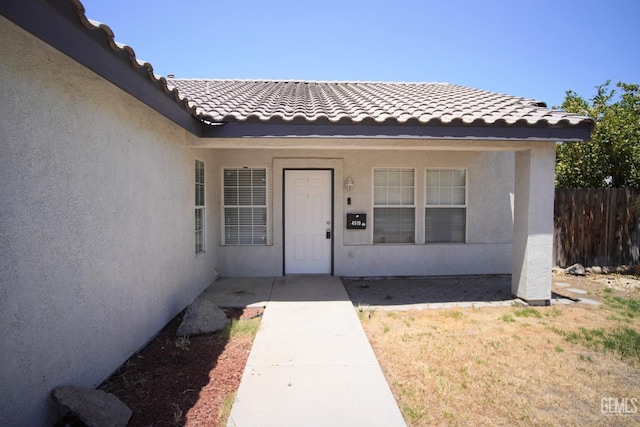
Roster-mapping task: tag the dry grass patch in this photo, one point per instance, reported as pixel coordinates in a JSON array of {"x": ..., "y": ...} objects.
[{"x": 506, "y": 365}]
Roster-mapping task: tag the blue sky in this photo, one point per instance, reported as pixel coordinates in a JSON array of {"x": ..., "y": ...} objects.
[{"x": 535, "y": 49}]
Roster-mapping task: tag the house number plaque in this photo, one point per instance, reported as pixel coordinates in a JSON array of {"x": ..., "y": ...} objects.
[{"x": 356, "y": 221}]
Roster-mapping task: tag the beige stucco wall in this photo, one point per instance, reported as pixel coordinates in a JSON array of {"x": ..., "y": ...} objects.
[
  {"x": 96, "y": 219},
  {"x": 490, "y": 180},
  {"x": 533, "y": 236},
  {"x": 96, "y": 226}
]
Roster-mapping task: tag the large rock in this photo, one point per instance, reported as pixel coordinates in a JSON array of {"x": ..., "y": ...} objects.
[
  {"x": 95, "y": 408},
  {"x": 202, "y": 317},
  {"x": 576, "y": 270}
]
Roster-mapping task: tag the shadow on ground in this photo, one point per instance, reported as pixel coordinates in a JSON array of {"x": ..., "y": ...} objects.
[{"x": 395, "y": 291}]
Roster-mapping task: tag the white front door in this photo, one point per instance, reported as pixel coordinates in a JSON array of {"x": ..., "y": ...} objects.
[{"x": 307, "y": 222}]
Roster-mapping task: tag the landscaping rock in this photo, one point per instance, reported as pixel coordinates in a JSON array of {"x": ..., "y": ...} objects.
[
  {"x": 202, "y": 317},
  {"x": 95, "y": 408},
  {"x": 624, "y": 269},
  {"x": 576, "y": 270}
]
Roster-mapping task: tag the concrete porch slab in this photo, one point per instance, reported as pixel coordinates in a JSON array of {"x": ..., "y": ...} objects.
[{"x": 234, "y": 292}]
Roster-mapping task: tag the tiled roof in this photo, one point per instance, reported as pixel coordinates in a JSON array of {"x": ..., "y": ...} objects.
[
  {"x": 363, "y": 103},
  {"x": 282, "y": 102},
  {"x": 105, "y": 36}
]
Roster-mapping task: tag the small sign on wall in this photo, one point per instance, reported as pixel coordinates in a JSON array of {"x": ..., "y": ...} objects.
[{"x": 356, "y": 221}]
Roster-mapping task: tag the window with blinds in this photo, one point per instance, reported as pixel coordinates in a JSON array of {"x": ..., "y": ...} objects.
[
  {"x": 245, "y": 206},
  {"x": 200, "y": 206},
  {"x": 446, "y": 206},
  {"x": 393, "y": 205}
]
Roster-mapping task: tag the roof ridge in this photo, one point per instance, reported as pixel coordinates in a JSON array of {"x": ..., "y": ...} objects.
[{"x": 309, "y": 81}]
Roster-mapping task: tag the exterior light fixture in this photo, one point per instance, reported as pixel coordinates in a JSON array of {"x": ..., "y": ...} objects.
[{"x": 348, "y": 184}]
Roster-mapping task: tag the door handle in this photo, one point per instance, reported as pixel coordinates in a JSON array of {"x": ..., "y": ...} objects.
[{"x": 328, "y": 233}]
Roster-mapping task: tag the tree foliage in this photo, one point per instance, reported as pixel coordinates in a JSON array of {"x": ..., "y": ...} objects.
[{"x": 612, "y": 157}]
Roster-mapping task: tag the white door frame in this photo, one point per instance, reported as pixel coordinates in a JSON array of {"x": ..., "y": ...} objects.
[{"x": 330, "y": 226}]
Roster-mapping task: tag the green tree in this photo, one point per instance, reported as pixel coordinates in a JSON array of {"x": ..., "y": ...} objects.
[{"x": 612, "y": 157}]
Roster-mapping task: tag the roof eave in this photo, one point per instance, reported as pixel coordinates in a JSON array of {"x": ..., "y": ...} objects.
[
  {"x": 400, "y": 131},
  {"x": 63, "y": 25},
  {"x": 57, "y": 23}
]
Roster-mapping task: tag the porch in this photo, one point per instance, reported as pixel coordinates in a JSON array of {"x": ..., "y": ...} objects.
[{"x": 390, "y": 293}]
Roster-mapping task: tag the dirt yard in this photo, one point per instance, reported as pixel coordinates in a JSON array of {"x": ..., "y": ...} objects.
[
  {"x": 186, "y": 382},
  {"x": 574, "y": 364}
]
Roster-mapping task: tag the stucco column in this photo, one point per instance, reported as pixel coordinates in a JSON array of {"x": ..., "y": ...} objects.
[{"x": 533, "y": 223}]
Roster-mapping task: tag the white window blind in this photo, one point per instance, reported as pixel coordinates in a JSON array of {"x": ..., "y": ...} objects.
[
  {"x": 245, "y": 206},
  {"x": 199, "y": 206},
  {"x": 393, "y": 205},
  {"x": 446, "y": 209}
]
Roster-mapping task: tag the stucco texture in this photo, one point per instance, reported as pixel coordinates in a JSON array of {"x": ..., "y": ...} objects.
[
  {"x": 490, "y": 192},
  {"x": 533, "y": 223},
  {"x": 96, "y": 226},
  {"x": 97, "y": 244}
]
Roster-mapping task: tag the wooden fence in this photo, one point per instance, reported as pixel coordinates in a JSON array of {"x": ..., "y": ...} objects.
[{"x": 596, "y": 227}]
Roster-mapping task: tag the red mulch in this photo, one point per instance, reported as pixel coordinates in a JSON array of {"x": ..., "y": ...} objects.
[{"x": 165, "y": 385}]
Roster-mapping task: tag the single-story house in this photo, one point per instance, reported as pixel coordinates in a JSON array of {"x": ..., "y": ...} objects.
[{"x": 124, "y": 194}]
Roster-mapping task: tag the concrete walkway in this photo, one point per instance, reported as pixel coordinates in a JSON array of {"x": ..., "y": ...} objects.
[{"x": 311, "y": 363}]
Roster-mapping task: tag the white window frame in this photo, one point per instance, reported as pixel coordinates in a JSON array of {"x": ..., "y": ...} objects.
[
  {"x": 394, "y": 206},
  {"x": 200, "y": 207},
  {"x": 451, "y": 205},
  {"x": 265, "y": 237}
]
